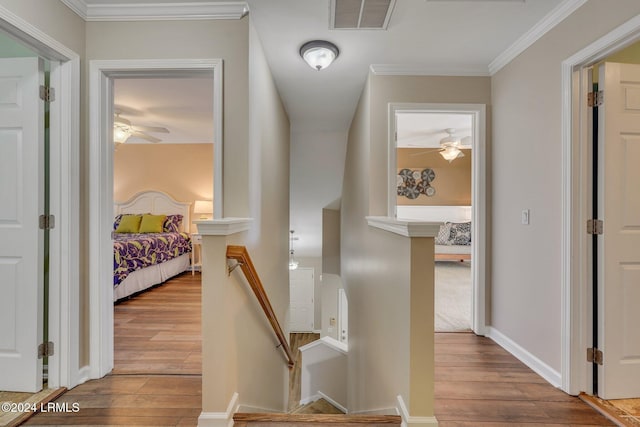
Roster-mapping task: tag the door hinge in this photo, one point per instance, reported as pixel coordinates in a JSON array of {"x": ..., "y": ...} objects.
[
  {"x": 595, "y": 99},
  {"x": 595, "y": 356},
  {"x": 595, "y": 226},
  {"x": 47, "y": 94},
  {"x": 45, "y": 349},
  {"x": 47, "y": 222}
]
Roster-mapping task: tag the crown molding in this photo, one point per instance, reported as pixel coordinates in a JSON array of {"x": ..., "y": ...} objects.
[
  {"x": 157, "y": 11},
  {"x": 423, "y": 70},
  {"x": 553, "y": 18}
]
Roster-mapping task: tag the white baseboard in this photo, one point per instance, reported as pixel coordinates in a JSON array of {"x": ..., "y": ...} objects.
[
  {"x": 220, "y": 419},
  {"x": 310, "y": 399},
  {"x": 333, "y": 402},
  {"x": 537, "y": 365},
  {"x": 410, "y": 421}
]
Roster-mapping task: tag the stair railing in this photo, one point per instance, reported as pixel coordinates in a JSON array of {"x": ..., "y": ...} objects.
[{"x": 240, "y": 254}]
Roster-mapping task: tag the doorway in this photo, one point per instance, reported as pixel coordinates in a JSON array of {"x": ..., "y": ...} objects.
[
  {"x": 103, "y": 76},
  {"x": 63, "y": 316},
  {"x": 579, "y": 332},
  {"x": 447, "y": 185}
]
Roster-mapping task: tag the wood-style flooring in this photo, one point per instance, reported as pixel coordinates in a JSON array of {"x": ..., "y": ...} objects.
[
  {"x": 477, "y": 382},
  {"x": 297, "y": 340},
  {"x": 480, "y": 384},
  {"x": 156, "y": 379}
]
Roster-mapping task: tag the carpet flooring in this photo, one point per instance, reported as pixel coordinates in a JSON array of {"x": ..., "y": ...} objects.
[{"x": 452, "y": 296}]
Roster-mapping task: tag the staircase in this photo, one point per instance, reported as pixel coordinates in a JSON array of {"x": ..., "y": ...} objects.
[{"x": 315, "y": 420}]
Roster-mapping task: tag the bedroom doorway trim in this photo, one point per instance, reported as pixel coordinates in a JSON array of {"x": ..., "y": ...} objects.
[
  {"x": 576, "y": 278},
  {"x": 101, "y": 75},
  {"x": 478, "y": 192},
  {"x": 64, "y": 311}
]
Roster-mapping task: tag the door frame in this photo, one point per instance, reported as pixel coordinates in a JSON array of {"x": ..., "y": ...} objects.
[
  {"x": 101, "y": 75},
  {"x": 64, "y": 184},
  {"x": 478, "y": 193},
  {"x": 576, "y": 251}
]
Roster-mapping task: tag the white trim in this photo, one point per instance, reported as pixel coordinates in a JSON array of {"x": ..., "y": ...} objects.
[
  {"x": 64, "y": 281},
  {"x": 405, "y": 228},
  {"x": 423, "y": 70},
  {"x": 546, "y": 24},
  {"x": 478, "y": 191},
  {"x": 310, "y": 399},
  {"x": 408, "y": 420},
  {"x": 84, "y": 374},
  {"x": 537, "y": 365},
  {"x": 220, "y": 419},
  {"x": 326, "y": 341},
  {"x": 333, "y": 402},
  {"x": 575, "y": 333},
  {"x": 101, "y": 75},
  {"x": 223, "y": 226},
  {"x": 157, "y": 11}
]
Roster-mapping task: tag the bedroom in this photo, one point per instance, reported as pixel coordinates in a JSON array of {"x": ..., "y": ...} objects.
[
  {"x": 434, "y": 177},
  {"x": 163, "y": 166}
]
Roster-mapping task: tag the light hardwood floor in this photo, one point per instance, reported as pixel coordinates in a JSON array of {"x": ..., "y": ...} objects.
[{"x": 477, "y": 382}]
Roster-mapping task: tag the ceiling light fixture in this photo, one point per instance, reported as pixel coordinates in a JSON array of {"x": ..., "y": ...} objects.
[
  {"x": 449, "y": 144},
  {"x": 121, "y": 132},
  {"x": 319, "y": 54}
]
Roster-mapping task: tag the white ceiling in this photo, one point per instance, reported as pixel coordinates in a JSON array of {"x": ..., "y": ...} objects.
[
  {"x": 417, "y": 130},
  {"x": 182, "y": 105},
  {"x": 424, "y": 37}
]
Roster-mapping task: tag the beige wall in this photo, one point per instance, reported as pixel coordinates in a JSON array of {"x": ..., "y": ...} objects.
[
  {"x": 329, "y": 304},
  {"x": 375, "y": 263},
  {"x": 452, "y": 183},
  {"x": 184, "y": 171},
  {"x": 526, "y": 262},
  {"x": 331, "y": 241}
]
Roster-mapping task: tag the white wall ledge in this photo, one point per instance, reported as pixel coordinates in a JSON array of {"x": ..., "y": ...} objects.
[
  {"x": 223, "y": 227},
  {"x": 407, "y": 228}
]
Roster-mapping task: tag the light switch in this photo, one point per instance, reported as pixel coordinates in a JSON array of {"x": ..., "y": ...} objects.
[{"x": 525, "y": 217}]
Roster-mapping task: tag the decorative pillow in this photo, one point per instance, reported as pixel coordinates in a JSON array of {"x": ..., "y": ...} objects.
[
  {"x": 152, "y": 223},
  {"x": 116, "y": 221},
  {"x": 172, "y": 223},
  {"x": 443, "y": 235},
  {"x": 460, "y": 233},
  {"x": 129, "y": 224}
]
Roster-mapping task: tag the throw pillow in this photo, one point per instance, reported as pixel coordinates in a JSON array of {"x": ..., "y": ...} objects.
[
  {"x": 460, "y": 233},
  {"x": 172, "y": 223},
  {"x": 152, "y": 223},
  {"x": 129, "y": 224},
  {"x": 443, "y": 235}
]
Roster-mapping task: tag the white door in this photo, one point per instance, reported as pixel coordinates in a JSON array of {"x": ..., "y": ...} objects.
[
  {"x": 343, "y": 317},
  {"x": 301, "y": 300},
  {"x": 21, "y": 240},
  {"x": 619, "y": 245}
]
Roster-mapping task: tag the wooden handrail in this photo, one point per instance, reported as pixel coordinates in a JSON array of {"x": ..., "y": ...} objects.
[{"x": 240, "y": 254}]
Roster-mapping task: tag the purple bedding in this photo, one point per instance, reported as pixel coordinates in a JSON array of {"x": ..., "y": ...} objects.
[{"x": 133, "y": 252}]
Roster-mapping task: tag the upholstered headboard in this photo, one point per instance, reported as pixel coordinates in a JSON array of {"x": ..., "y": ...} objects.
[{"x": 158, "y": 203}]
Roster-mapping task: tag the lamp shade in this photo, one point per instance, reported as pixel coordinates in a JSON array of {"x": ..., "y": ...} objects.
[
  {"x": 203, "y": 207},
  {"x": 319, "y": 54}
]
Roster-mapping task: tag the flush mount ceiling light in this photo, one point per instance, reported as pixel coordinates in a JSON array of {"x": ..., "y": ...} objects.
[{"x": 319, "y": 54}]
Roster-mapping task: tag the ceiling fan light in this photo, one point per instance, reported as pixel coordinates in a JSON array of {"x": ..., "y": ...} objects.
[
  {"x": 451, "y": 153},
  {"x": 319, "y": 54},
  {"x": 121, "y": 133}
]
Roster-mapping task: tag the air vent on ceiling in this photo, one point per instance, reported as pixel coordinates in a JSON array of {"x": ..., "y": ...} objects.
[{"x": 361, "y": 14}]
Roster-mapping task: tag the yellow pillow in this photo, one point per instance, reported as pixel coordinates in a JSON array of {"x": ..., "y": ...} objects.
[
  {"x": 152, "y": 223},
  {"x": 129, "y": 224}
]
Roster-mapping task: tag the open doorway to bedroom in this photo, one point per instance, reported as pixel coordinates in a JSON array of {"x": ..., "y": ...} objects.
[
  {"x": 162, "y": 176},
  {"x": 436, "y": 174},
  {"x": 163, "y": 168}
]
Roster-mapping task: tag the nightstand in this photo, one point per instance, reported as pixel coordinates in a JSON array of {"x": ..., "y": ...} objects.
[{"x": 196, "y": 242}]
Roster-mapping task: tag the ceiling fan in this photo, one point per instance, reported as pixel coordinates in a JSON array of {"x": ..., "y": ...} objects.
[
  {"x": 449, "y": 146},
  {"x": 123, "y": 129}
]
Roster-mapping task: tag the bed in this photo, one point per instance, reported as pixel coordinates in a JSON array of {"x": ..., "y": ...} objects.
[
  {"x": 453, "y": 242},
  {"x": 143, "y": 260}
]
